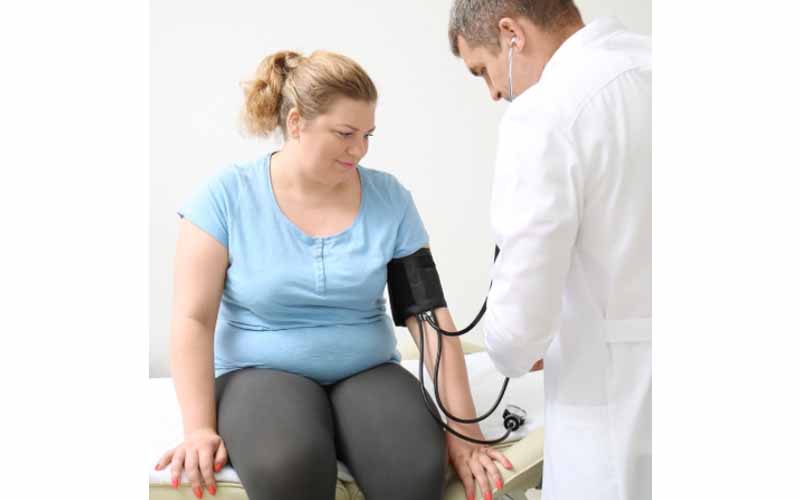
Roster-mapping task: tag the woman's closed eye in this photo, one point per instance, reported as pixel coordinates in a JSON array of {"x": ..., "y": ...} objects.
[{"x": 349, "y": 134}]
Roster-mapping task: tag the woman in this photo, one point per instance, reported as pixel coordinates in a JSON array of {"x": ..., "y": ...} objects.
[{"x": 279, "y": 279}]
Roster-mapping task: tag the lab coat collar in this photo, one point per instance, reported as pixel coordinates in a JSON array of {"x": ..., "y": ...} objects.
[{"x": 593, "y": 31}]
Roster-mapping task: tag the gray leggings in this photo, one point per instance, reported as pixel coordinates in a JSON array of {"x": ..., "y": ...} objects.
[{"x": 284, "y": 433}]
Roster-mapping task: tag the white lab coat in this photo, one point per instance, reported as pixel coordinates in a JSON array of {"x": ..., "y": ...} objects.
[{"x": 571, "y": 212}]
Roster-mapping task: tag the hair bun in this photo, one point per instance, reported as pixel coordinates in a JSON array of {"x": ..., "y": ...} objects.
[
  {"x": 264, "y": 93},
  {"x": 287, "y": 60}
]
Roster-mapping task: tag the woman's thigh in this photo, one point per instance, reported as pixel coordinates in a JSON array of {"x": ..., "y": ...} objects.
[
  {"x": 386, "y": 436},
  {"x": 278, "y": 430}
]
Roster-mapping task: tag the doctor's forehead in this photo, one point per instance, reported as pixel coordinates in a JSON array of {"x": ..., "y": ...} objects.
[{"x": 472, "y": 57}]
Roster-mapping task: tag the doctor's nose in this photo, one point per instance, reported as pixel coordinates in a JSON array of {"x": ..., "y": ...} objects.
[{"x": 495, "y": 94}]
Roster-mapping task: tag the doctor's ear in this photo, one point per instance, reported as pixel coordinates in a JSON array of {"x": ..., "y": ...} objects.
[{"x": 511, "y": 30}]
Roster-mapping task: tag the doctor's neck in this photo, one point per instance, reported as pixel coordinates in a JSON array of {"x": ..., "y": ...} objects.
[{"x": 538, "y": 47}]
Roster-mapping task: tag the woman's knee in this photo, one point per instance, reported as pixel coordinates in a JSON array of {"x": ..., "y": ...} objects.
[
  {"x": 283, "y": 472},
  {"x": 428, "y": 467},
  {"x": 421, "y": 477},
  {"x": 417, "y": 471}
]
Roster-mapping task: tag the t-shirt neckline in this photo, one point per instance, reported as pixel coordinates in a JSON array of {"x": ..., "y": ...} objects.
[{"x": 266, "y": 169}]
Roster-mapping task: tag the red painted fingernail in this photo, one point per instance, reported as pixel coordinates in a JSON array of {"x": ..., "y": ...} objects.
[
  {"x": 174, "y": 483},
  {"x": 212, "y": 489},
  {"x": 198, "y": 492},
  {"x": 487, "y": 496},
  {"x": 499, "y": 484},
  {"x": 217, "y": 467}
]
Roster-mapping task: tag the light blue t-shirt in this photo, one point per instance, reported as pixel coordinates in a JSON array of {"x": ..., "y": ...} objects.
[{"x": 296, "y": 303}]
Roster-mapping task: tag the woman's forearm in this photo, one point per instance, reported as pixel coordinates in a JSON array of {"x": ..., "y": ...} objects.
[
  {"x": 192, "y": 365},
  {"x": 454, "y": 389}
]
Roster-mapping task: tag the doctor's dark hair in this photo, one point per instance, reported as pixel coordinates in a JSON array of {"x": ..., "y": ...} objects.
[
  {"x": 477, "y": 20},
  {"x": 287, "y": 79}
]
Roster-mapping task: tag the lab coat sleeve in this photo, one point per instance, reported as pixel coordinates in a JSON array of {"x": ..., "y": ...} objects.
[{"x": 535, "y": 217}]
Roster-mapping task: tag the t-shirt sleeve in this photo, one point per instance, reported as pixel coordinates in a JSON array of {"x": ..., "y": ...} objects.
[
  {"x": 411, "y": 233},
  {"x": 211, "y": 207}
]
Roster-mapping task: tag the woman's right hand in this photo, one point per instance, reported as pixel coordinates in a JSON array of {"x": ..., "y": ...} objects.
[{"x": 201, "y": 454}]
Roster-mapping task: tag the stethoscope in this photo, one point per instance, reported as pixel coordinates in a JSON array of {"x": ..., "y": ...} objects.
[
  {"x": 513, "y": 416},
  {"x": 511, "y": 69}
]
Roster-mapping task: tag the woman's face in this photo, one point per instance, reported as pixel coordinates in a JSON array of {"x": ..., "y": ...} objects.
[{"x": 332, "y": 144}]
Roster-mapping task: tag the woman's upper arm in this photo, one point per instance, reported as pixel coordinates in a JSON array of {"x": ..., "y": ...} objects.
[{"x": 200, "y": 266}]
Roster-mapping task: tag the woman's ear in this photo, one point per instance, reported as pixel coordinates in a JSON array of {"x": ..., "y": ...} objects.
[{"x": 293, "y": 123}]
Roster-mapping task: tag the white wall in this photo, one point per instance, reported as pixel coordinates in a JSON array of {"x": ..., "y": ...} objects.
[{"x": 436, "y": 126}]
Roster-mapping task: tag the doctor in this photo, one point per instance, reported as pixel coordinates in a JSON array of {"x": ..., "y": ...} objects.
[{"x": 571, "y": 213}]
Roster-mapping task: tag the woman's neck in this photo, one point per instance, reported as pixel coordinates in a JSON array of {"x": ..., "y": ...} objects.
[{"x": 288, "y": 176}]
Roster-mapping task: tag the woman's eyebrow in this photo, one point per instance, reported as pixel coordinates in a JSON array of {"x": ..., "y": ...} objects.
[{"x": 355, "y": 128}]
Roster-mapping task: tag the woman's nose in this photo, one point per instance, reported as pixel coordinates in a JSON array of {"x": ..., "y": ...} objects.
[{"x": 358, "y": 147}]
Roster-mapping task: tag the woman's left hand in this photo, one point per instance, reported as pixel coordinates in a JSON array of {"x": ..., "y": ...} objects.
[{"x": 475, "y": 463}]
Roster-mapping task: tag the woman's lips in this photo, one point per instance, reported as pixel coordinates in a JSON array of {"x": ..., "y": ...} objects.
[{"x": 346, "y": 164}]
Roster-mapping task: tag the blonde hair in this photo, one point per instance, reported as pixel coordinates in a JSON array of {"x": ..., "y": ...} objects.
[{"x": 287, "y": 79}]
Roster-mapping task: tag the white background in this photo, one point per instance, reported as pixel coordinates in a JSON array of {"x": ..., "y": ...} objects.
[
  {"x": 436, "y": 125},
  {"x": 74, "y": 198}
]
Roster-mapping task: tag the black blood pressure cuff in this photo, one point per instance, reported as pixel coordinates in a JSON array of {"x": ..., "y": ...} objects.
[{"x": 414, "y": 286}]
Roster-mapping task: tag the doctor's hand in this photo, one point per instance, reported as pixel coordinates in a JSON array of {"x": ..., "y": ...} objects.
[
  {"x": 475, "y": 463},
  {"x": 539, "y": 365},
  {"x": 201, "y": 454}
]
